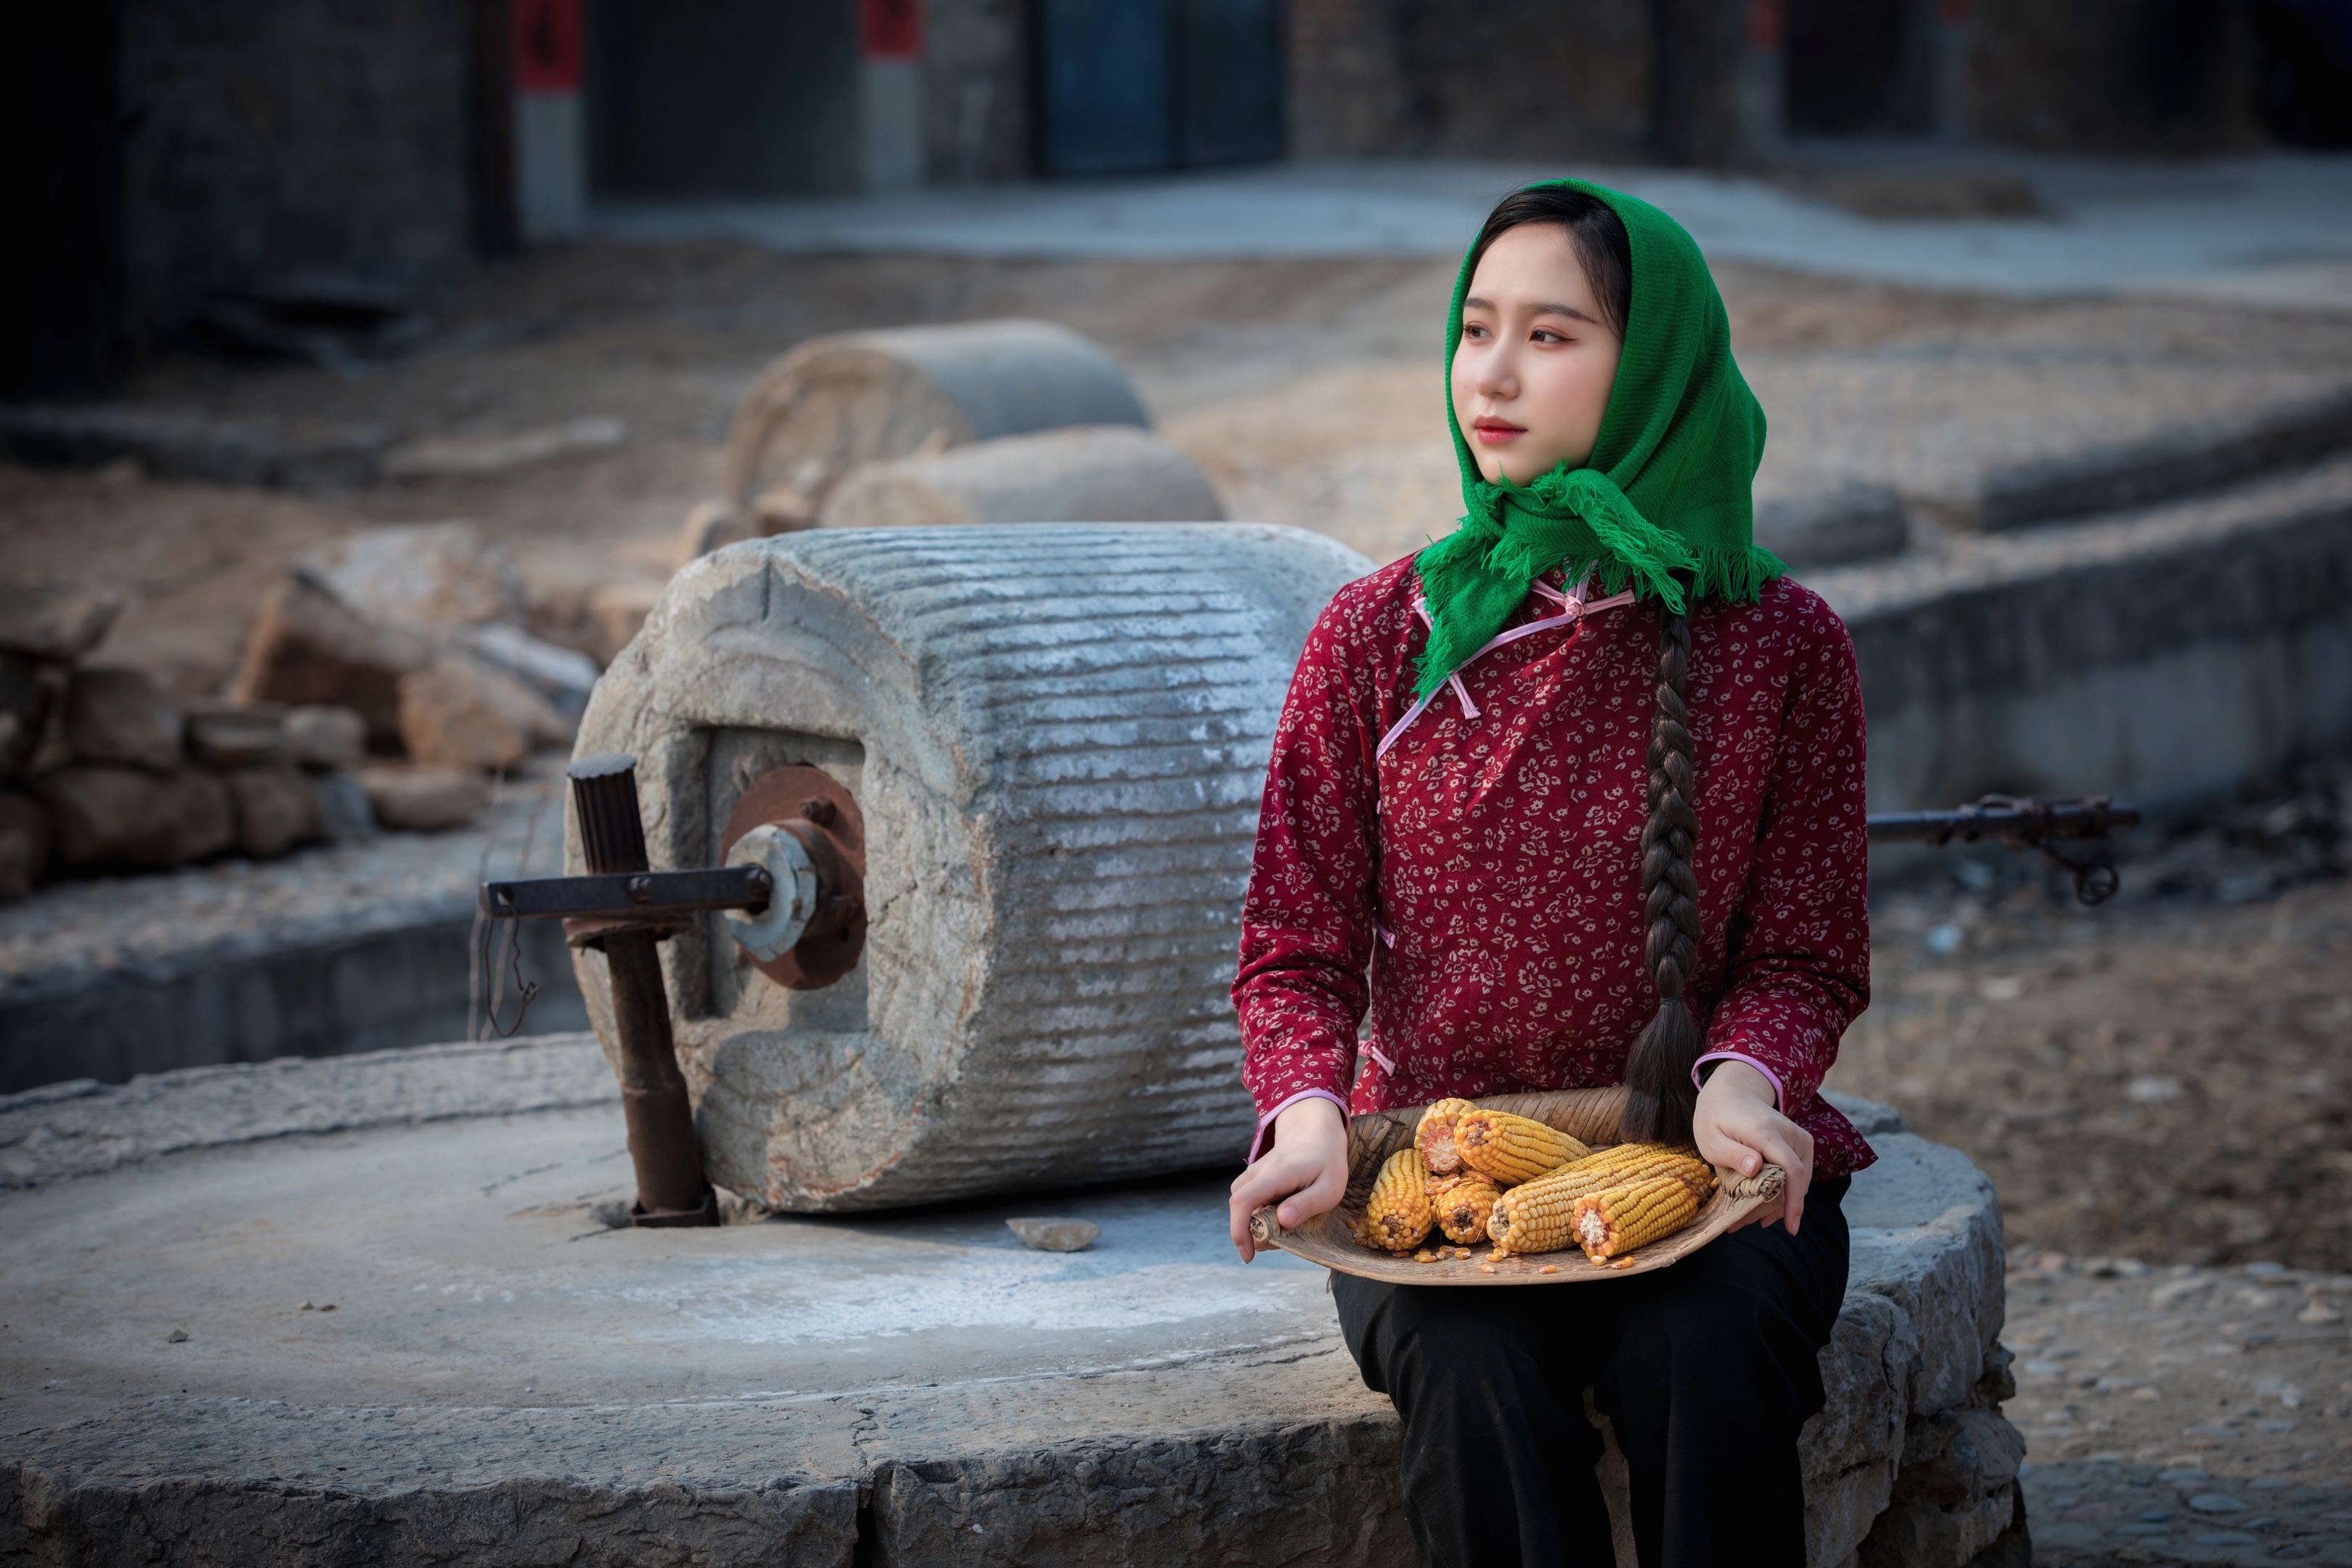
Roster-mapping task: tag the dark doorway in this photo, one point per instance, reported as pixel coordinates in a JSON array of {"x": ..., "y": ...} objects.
[
  {"x": 1129, "y": 86},
  {"x": 722, "y": 97},
  {"x": 1856, "y": 68},
  {"x": 62, "y": 282}
]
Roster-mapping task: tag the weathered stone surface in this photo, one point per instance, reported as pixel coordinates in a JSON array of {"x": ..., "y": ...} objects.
[
  {"x": 118, "y": 815},
  {"x": 31, "y": 691},
  {"x": 1922, "y": 1536},
  {"x": 417, "y": 574},
  {"x": 2163, "y": 655},
  {"x": 122, "y": 716},
  {"x": 1941, "y": 1265},
  {"x": 1851, "y": 1451},
  {"x": 460, "y": 712},
  {"x": 1058, "y": 819},
  {"x": 1053, "y": 1235},
  {"x": 54, "y": 621},
  {"x": 424, "y": 799},
  {"x": 1852, "y": 522},
  {"x": 347, "y": 947},
  {"x": 1145, "y": 1401},
  {"x": 1109, "y": 473},
  {"x": 329, "y": 738},
  {"x": 24, "y": 844},
  {"x": 83, "y": 1127},
  {"x": 275, "y": 809},
  {"x": 1322, "y": 1492},
  {"x": 309, "y": 647},
  {"x": 229, "y": 735},
  {"x": 835, "y": 402}
]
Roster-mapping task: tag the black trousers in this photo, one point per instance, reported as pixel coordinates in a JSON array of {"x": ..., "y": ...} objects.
[{"x": 1706, "y": 1369}]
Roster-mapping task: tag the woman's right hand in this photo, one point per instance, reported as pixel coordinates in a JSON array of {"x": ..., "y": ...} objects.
[{"x": 1305, "y": 1171}]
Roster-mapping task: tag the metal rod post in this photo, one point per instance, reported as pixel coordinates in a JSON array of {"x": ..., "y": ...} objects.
[{"x": 671, "y": 1187}]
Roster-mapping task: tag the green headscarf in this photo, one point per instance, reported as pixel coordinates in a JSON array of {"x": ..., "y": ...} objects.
[{"x": 1666, "y": 489}]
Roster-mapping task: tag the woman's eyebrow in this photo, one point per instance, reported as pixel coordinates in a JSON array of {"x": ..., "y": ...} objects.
[{"x": 1473, "y": 302}]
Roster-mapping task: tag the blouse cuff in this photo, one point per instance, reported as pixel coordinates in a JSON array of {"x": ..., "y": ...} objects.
[
  {"x": 1779, "y": 1092},
  {"x": 1266, "y": 1121}
]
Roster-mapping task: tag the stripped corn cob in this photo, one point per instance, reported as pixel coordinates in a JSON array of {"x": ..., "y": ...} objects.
[
  {"x": 1540, "y": 1215},
  {"x": 1612, "y": 1223},
  {"x": 1434, "y": 1136},
  {"x": 1507, "y": 1148},
  {"x": 1398, "y": 1217},
  {"x": 1462, "y": 1205}
]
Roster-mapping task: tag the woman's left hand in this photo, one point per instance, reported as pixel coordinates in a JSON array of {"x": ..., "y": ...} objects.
[{"x": 1738, "y": 1130}]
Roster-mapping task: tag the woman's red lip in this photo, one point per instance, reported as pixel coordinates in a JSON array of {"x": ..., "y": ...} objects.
[{"x": 1498, "y": 425}]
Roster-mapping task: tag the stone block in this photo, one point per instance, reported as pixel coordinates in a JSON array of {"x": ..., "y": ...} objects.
[
  {"x": 276, "y": 808},
  {"x": 1852, "y": 522},
  {"x": 226, "y": 736},
  {"x": 417, "y": 574},
  {"x": 309, "y": 647},
  {"x": 24, "y": 844},
  {"x": 424, "y": 799},
  {"x": 1922, "y": 1536},
  {"x": 460, "y": 712},
  {"x": 1850, "y": 1451},
  {"x": 1958, "y": 1457},
  {"x": 30, "y": 691},
  {"x": 344, "y": 814},
  {"x": 122, "y": 716},
  {"x": 564, "y": 676},
  {"x": 55, "y": 621},
  {"x": 1926, "y": 1235},
  {"x": 326, "y": 738},
  {"x": 118, "y": 815}
]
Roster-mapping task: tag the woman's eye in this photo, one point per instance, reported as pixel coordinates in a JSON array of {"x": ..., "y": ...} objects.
[
  {"x": 1544, "y": 335},
  {"x": 1474, "y": 332}
]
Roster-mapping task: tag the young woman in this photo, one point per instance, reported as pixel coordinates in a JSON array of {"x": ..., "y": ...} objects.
[{"x": 1574, "y": 797}]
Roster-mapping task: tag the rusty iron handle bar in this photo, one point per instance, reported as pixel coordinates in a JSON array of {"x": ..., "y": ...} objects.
[
  {"x": 2027, "y": 819},
  {"x": 619, "y": 895},
  {"x": 671, "y": 1187}
]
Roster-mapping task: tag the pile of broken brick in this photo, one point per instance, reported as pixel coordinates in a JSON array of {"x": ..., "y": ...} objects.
[{"x": 386, "y": 683}]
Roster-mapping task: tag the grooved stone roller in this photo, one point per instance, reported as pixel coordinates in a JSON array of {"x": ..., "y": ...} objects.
[{"x": 999, "y": 785}]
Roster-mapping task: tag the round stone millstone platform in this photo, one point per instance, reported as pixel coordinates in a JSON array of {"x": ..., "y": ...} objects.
[{"x": 370, "y": 1310}]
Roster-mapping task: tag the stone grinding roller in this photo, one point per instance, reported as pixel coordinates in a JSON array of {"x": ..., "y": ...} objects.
[{"x": 1003, "y": 782}]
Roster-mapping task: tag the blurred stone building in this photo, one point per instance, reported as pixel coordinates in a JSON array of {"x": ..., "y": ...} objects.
[{"x": 273, "y": 157}]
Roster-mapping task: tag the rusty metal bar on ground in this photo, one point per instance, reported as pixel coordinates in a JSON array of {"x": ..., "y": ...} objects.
[{"x": 2019, "y": 821}]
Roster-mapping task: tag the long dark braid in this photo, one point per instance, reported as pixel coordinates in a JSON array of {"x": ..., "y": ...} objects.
[{"x": 1658, "y": 1070}]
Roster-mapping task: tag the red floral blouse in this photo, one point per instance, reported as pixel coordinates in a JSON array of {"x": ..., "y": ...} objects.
[{"x": 1470, "y": 873}]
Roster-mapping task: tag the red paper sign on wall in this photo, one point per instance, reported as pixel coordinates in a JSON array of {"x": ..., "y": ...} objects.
[
  {"x": 890, "y": 29},
  {"x": 548, "y": 53}
]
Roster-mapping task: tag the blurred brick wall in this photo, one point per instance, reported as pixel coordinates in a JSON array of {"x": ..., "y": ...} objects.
[{"x": 271, "y": 138}]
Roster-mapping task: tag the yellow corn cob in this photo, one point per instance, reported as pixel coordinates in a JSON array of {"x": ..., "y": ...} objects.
[
  {"x": 1623, "y": 1162},
  {"x": 1612, "y": 1223},
  {"x": 1507, "y": 1148},
  {"x": 1398, "y": 1216},
  {"x": 1434, "y": 1136},
  {"x": 1462, "y": 1205},
  {"x": 1540, "y": 1215}
]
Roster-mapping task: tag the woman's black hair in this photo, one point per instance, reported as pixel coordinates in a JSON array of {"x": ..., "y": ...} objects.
[
  {"x": 1598, "y": 234},
  {"x": 1658, "y": 1066}
]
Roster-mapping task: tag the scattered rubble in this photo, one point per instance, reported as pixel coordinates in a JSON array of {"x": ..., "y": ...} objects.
[{"x": 424, "y": 799}]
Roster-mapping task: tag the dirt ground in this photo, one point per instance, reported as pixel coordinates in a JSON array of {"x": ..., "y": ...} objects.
[{"x": 2167, "y": 1078}]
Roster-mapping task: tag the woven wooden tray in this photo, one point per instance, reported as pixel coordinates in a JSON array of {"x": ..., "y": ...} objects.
[{"x": 1588, "y": 1115}]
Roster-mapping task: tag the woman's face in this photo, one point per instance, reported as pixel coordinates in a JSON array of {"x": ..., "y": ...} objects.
[{"x": 1535, "y": 364}]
